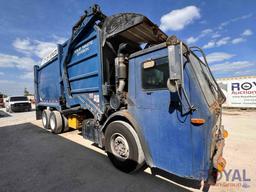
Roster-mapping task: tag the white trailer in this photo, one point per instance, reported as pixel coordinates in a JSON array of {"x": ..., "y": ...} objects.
[{"x": 239, "y": 91}]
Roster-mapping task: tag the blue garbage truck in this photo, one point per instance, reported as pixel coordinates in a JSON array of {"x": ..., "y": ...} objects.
[{"x": 142, "y": 96}]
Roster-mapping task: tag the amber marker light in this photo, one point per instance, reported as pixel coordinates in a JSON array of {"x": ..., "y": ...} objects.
[
  {"x": 225, "y": 133},
  {"x": 197, "y": 121},
  {"x": 221, "y": 164}
]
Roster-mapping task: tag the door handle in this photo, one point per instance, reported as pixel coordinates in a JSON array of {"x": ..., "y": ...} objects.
[{"x": 149, "y": 93}]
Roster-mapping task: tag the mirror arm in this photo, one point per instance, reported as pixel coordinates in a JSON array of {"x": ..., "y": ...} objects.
[
  {"x": 201, "y": 51},
  {"x": 191, "y": 107}
]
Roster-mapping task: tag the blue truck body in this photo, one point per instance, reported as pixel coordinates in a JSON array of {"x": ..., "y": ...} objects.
[
  {"x": 83, "y": 80},
  {"x": 75, "y": 80}
]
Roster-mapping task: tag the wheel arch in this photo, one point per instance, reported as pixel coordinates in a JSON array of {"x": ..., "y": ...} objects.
[{"x": 125, "y": 116}]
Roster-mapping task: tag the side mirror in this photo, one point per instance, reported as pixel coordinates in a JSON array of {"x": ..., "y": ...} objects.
[
  {"x": 7, "y": 101},
  {"x": 175, "y": 81},
  {"x": 175, "y": 58}
]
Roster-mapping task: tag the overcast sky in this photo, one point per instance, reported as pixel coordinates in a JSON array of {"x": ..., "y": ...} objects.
[{"x": 29, "y": 29}]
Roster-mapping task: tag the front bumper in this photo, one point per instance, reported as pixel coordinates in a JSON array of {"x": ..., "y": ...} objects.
[{"x": 218, "y": 162}]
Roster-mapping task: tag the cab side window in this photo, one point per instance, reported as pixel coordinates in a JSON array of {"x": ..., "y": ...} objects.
[{"x": 156, "y": 77}]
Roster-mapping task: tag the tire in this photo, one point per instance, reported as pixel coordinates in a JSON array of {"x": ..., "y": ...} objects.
[
  {"x": 65, "y": 123},
  {"x": 130, "y": 157},
  {"x": 45, "y": 118},
  {"x": 55, "y": 122}
]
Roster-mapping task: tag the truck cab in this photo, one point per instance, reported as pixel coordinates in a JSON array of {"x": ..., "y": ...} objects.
[{"x": 144, "y": 97}]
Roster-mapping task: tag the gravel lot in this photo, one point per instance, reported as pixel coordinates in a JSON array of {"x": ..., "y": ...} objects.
[{"x": 33, "y": 159}]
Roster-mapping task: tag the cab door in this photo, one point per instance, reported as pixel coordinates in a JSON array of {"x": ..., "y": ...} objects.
[{"x": 166, "y": 131}]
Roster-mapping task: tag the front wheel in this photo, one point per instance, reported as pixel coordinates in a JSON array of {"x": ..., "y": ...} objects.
[{"x": 123, "y": 147}]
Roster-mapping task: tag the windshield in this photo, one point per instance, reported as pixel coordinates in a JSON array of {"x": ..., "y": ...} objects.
[
  {"x": 206, "y": 80},
  {"x": 18, "y": 99}
]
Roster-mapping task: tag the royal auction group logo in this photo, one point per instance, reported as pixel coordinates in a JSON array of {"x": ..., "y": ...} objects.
[
  {"x": 243, "y": 88},
  {"x": 233, "y": 179}
]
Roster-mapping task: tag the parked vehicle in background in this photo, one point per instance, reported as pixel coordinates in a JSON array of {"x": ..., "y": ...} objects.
[
  {"x": 2, "y": 100},
  {"x": 142, "y": 96},
  {"x": 17, "y": 104}
]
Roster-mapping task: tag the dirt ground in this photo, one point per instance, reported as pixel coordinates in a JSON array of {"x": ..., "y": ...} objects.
[{"x": 239, "y": 151}]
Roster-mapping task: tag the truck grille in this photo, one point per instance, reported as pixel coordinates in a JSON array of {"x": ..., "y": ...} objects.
[{"x": 21, "y": 104}]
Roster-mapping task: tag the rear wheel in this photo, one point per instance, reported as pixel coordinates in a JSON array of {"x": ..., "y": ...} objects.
[
  {"x": 65, "y": 123},
  {"x": 45, "y": 118},
  {"x": 123, "y": 147},
  {"x": 56, "y": 124}
]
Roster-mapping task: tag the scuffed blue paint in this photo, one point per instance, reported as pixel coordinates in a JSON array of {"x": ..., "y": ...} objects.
[{"x": 175, "y": 144}]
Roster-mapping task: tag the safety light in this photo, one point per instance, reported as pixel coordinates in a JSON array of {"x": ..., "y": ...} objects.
[
  {"x": 197, "y": 121},
  {"x": 225, "y": 133},
  {"x": 221, "y": 164}
]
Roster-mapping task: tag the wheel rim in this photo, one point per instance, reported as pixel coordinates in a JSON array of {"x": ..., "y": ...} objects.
[
  {"x": 119, "y": 146},
  {"x": 44, "y": 120},
  {"x": 52, "y": 123}
]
